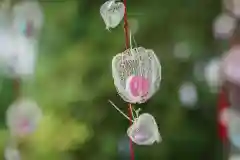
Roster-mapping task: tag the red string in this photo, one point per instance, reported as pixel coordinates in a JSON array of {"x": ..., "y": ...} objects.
[
  {"x": 130, "y": 141},
  {"x": 222, "y": 104},
  {"x": 127, "y": 46}
]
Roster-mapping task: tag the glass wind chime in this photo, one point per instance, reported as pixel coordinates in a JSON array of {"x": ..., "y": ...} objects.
[
  {"x": 227, "y": 27},
  {"x": 20, "y": 26},
  {"x": 137, "y": 74}
]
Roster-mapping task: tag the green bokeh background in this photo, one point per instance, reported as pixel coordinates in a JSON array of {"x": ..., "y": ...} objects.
[{"x": 73, "y": 83}]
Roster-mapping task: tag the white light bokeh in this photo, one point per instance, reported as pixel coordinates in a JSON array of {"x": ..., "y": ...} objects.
[
  {"x": 188, "y": 95},
  {"x": 234, "y": 157},
  {"x": 233, "y": 6},
  {"x": 182, "y": 50},
  {"x": 231, "y": 65},
  {"x": 212, "y": 74},
  {"x": 224, "y": 26},
  {"x": 198, "y": 71}
]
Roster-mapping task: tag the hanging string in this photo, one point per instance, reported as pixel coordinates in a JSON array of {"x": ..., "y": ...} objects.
[
  {"x": 127, "y": 46},
  {"x": 119, "y": 110}
]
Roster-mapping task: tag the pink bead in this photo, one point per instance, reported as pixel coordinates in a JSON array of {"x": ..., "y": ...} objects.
[{"x": 139, "y": 86}]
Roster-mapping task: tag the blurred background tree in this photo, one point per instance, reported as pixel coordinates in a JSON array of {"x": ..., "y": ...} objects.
[{"x": 73, "y": 83}]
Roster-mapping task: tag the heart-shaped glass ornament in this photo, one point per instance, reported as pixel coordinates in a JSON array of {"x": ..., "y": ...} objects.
[
  {"x": 112, "y": 13},
  {"x": 144, "y": 130},
  {"x": 137, "y": 74},
  {"x": 23, "y": 117},
  {"x": 28, "y": 18}
]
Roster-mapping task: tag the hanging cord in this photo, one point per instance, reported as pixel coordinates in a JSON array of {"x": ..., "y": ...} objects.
[
  {"x": 127, "y": 46},
  {"x": 222, "y": 129}
]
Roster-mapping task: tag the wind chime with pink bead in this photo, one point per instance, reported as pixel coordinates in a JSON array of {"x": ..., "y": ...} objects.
[
  {"x": 19, "y": 30},
  {"x": 227, "y": 27},
  {"x": 137, "y": 74}
]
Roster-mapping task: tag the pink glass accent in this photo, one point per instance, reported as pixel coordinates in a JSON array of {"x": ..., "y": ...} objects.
[
  {"x": 24, "y": 126},
  {"x": 139, "y": 86},
  {"x": 139, "y": 136}
]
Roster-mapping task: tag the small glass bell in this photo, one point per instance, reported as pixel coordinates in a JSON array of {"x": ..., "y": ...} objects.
[
  {"x": 137, "y": 74},
  {"x": 144, "y": 130}
]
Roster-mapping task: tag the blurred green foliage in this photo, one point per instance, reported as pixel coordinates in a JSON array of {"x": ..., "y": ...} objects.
[{"x": 73, "y": 82}]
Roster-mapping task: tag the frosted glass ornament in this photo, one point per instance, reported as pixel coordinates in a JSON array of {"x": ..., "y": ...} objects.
[
  {"x": 6, "y": 46},
  {"x": 23, "y": 59},
  {"x": 28, "y": 17},
  {"x": 112, "y": 13},
  {"x": 137, "y": 66},
  {"x": 231, "y": 66},
  {"x": 23, "y": 117},
  {"x": 144, "y": 130},
  {"x": 17, "y": 54},
  {"x": 11, "y": 153},
  {"x": 224, "y": 26}
]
